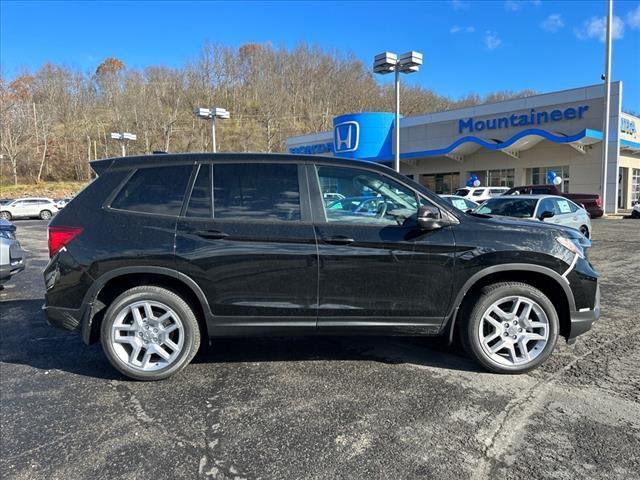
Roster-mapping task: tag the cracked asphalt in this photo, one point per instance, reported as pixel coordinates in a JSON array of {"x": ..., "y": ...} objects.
[{"x": 324, "y": 408}]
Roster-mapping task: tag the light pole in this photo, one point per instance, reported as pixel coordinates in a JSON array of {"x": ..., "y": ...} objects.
[
  {"x": 387, "y": 62},
  {"x": 212, "y": 114},
  {"x": 607, "y": 109},
  {"x": 123, "y": 138}
]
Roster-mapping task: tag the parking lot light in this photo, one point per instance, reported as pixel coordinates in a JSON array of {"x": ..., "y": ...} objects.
[
  {"x": 387, "y": 62},
  {"x": 123, "y": 138},
  {"x": 212, "y": 114}
]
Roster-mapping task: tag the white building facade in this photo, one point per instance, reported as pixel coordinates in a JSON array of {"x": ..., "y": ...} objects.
[{"x": 509, "y": 143}]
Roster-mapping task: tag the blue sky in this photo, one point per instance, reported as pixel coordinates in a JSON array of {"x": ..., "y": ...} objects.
[{"x": 469, "y": 46}]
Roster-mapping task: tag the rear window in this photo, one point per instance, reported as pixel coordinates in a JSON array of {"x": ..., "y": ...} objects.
[
  {"x": 256, "y": 191},
  {"x": 509, "y": 207},
  {"x": 157, "y": 190}
]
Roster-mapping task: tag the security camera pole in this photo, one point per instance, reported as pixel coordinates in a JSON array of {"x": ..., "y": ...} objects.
[
  {"x": 212, "y": 114},
  {"x": 123, "y": 138},
  {"x": 387, "y": 62}
]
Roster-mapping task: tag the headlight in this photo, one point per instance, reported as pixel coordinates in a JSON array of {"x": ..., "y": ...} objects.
[{"x": 571, "y": 245}]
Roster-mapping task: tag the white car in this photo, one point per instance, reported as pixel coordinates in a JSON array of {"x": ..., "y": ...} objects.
[
  {"x": 43, "y": 208},
  {"x": 545, "y": 208},
  {"x": 460, "y": 203},
  {"x": 635, "y": 211},
  {"x": 480, "y": 194}
]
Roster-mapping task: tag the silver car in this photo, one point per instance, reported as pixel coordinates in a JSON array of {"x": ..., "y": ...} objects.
[
  {"x": 12, "y": 257},
  {"x": 544, "y": 208}
]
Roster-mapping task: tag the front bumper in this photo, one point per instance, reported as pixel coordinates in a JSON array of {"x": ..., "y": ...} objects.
[{"x": 582, "y": 320}]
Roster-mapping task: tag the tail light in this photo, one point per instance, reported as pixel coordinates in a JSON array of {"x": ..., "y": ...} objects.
[
  {"x": 599, "y": 201},
  {"x": 61, "y": 236}
]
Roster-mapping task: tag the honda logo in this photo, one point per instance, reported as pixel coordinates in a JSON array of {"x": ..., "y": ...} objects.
[{"x": 346, "y": 136}]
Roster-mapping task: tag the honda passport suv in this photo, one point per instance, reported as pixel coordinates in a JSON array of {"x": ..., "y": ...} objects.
[{"x": 162, "y": 252}]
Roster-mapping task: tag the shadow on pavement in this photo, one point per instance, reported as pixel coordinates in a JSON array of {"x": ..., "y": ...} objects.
[{"x": 27, "y": 339}]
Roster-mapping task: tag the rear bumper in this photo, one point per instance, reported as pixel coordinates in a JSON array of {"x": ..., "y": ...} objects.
[
  {"x": 64, "y": 318},
  {"x": 583, "y": 320}
]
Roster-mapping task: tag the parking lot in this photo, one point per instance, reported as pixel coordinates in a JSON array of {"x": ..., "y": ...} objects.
[{"x": 353, "y": 407}]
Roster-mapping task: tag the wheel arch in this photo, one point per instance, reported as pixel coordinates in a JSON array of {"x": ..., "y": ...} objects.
[
  {"x": 111, "y": 284},
  {"x": 549, "y": 282}
]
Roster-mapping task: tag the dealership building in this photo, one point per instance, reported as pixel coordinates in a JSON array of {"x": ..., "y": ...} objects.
[{"x": 509, "y": 143}]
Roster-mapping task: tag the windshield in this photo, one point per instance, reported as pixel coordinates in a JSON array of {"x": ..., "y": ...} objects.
[{"x": 509, "y": 207}]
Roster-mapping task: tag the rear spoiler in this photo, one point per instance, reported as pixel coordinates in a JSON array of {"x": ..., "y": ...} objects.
[{"x": 100, "y": 166}]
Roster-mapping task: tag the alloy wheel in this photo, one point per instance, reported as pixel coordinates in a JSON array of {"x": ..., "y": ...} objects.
[
  {"x": 514, "y": 331},
  {"x": 147, "y": 336}
]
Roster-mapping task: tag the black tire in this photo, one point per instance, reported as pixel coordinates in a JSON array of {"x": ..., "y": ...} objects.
[
  {"x": 6, "y": 215},
  {"x": 635, "y": 214},
  {"x": 483, "y": 301},
  {"x": 585, "y": 231},
  {"x": 45, "y": 215},
  {"x": 168, "y": 298}
]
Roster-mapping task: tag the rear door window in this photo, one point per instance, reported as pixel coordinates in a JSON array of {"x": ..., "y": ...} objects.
[
  {"x": 256, "y": 191},
  {"x": 200, "y": 201},
  {"x": 156, "y": 190}
]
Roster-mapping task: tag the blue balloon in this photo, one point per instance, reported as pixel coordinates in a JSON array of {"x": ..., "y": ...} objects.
[{"x": 551, "y": 175}]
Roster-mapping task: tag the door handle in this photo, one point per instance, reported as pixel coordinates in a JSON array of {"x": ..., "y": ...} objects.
[
  {"x": 212, "y": 234},
  {"x": 339, "y": 240}
]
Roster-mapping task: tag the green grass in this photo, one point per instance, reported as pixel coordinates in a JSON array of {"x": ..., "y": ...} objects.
[{"x": 42, "y": 189}]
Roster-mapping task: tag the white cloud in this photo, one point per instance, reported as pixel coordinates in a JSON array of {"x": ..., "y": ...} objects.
[
  {"x": 457, "y": 29},
  {"x": 459, "y": 4},
  {"x": 513, "y": 5},
  {"x": 596, "y": 27},
  {"x": 491, "y": 40},
  {"x": 633, "y": 18},
  {"x": 552, "y": 23}
]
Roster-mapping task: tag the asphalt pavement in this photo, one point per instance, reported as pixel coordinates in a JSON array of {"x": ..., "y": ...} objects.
[{"x": 324, "y": 408}]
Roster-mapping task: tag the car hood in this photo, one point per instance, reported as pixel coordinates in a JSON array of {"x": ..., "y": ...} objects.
[{"x": 527, "y": 223}]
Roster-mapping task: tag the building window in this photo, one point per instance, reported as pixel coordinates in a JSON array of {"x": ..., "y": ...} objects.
[
  {"x": 635, "y": 184},
  {"x": 441, "y": 183},
  {"x": 539, "y": 176},
  {"x": 501, "y": 178}
]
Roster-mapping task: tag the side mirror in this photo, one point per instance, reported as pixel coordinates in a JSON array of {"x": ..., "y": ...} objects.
[
  {"x": 429, "y": 218},
  {"x": 546, "y": 214}
]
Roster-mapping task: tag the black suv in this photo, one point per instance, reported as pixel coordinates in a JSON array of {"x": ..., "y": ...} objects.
[{"x": 162, "y": 250}]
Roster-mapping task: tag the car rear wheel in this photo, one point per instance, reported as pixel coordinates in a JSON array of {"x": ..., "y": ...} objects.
[
  {"x": 512, "y": 328},
  {"x": 45, "y": 215},
  {"x": 5, "y": 215},
  {"x": 149, "y": 333}
]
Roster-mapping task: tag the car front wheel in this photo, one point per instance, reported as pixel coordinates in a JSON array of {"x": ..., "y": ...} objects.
[
  {"x": 45, "y": 215},
  {"x": 149, "y": 333},
  {"x": 5, "y": 215},
  {"x": 512, "y": 328}
]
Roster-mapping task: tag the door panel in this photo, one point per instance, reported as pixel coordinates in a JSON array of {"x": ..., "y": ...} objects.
[
  {"x": 378, "y": 270},
  {"x": 253, "y": 271}
]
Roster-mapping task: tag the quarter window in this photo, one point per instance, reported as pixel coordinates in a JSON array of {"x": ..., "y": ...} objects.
[
  {"x": 256, "y": 191},
  {"x": 158, "y": 190}
]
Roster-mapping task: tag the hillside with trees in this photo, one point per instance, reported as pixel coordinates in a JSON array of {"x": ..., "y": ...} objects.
[{"x": 57, "y": 119}]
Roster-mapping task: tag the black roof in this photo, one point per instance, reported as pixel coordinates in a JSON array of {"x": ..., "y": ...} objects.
[{"x": 100, "y": 166}]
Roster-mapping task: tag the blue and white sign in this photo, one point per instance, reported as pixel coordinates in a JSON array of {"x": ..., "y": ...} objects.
[
  {"x": 533, "y": 118},
  {"x": 346, "y": 136},
  {"x": 628, "y": 126},
  {"x": 366, "y": 135}
]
